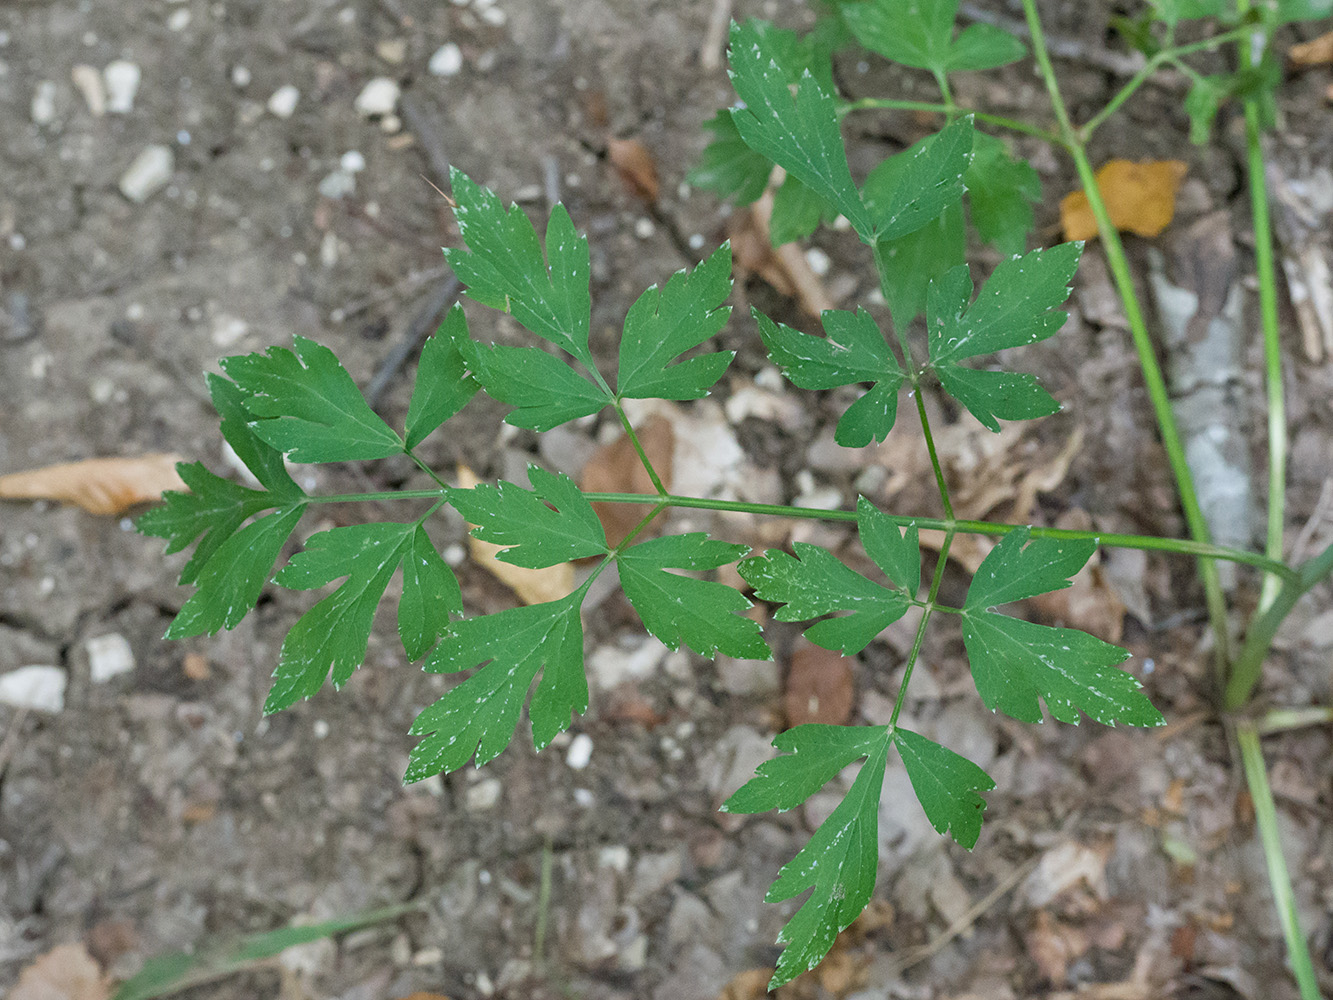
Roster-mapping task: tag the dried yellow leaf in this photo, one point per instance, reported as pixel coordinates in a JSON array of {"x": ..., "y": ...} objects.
[
  {"x": 1140, "y": 198},
  {"x": 533, "y": 586},
  {"x": 98, "y": 485}
]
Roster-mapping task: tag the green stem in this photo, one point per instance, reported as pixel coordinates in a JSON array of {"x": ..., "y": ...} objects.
[
  {"x": 934, "y": 460},
  {"x": 1284, "y": 897},
  {"x": 1279, "y": 720},
  {"x": 1259, "y": 637},
  {"x": 1148, "y": 543},
  {"x": 427, "y": 469},
  {"x": 921, "y": 629},
  {"x": 638, "y": 450},
  {"x": 1152, "y": 373},
  {"x": 1277, "y": 413},
  {"x": 1169, "y": 54},
  {"x": 1013, "y": 124}
]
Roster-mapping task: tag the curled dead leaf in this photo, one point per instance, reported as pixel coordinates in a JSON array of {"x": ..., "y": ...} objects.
[
  {"x": 1140, "y": 197},
  {"x": 98, "y": 485},
  {"x": 819, "y": 687},
  {"x": 635, "y": 166},
  {"x": 615, "y": 468},
  {"x": 1315, "y": 52},
  {"x": 533, "y": 586},
  {"x": 66, "y": 972}
]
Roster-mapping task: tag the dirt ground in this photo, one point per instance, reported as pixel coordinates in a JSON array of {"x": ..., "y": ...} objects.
[{"x": 158, "y": 810}]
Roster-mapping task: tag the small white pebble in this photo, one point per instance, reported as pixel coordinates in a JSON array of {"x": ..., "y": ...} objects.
[
  {"x": 644, "y": 228},
  {"x": 336, "y": 185},
  {"x": 109, "y": 656},
  {"x": 454, "y": 555},
  {"x": 148, "y": 174},
  {"x": 483, "y": 795},
  {"x": 584, "y": 799},
  {"x": 43, "y": 109},
  {"x": 89, "y": 83},
  {"x": 447, "y": 60},
  {"x": 580, "y": 752},
  {"x": 283, "y": 102},
  {"x": 320, "y": 729},
  {"x": 352, "y": 161},
  {"x": 179, "y": 19},
  {"x": 378, "y": 97},
  {"x": 40, "y": 688},
  {"x": 241, "y": 76},
  {"x": 818, "y": 260}
]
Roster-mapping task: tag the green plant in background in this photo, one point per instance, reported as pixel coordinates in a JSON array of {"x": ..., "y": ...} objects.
[{"x": 909, "y": 212}]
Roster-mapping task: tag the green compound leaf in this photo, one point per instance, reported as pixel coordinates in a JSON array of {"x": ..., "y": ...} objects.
[
  {"x": 1173, "y": 11},
  {"x": 1000, "y": 193},
  {"x": 840, "y": 860},
  {"x": 503, "y": 266},
  {"x": 546, "y": 391},
  {"x": 984, "y": 46},
  {"x": 729, "y": 167},
  {"x": 799, "y": 133},
  {"x": 443, "y": 385},
  {"x": 701, "y": 613},
  {"x": 1302, "y": 10},
  {"x": 910, "y": 263},
  {"x": 911, "y": 188},
  {"x": 430, "y": 596},
  {"x": 308, "y": 406},
  {"x": 920, "y": 34},
  {"x": 1015, "y": 663},
  {"x": 233, "y": 577},
  {"x": 478, "y": 717},
  {"x": 551, "y": 523},
  {"x": 815, "y": 753},
  {"x": 664, "y": 324},
  {"x": 214, "y": 507},
  {"x": 815, "y": 583},
  {"x": 1017, "y": 306},
  {"x": 333, "y": 635},
  {"x": 947, "y": 785},
  {"x": 895, "y": 551},
  {"x": 797, "y": 212},
  {"x": 262, "y": 459},
  {"x": 852, "y": 350}
]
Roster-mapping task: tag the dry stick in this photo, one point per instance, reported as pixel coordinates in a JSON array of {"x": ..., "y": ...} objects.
[
  {"x": 422, "y": 324},
  {"x": 1322, "y": 508},
  {"x": 715, "y": 37},
  {"x": 12, "y": 737},
  {"x": 969, "y": 918}
]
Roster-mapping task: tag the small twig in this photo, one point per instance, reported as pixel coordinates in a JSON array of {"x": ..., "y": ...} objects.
[
  {"x": 415, "y": 334},
  {"x": 925, "y": 951},
  {"x": 409, "y": 284},
  {"x": 715, "y": 36},
  {"x": 1321, "y": 511},
  {"x": 423, "y": 126},
  {"x": 551, "y": 180},
  {"x": 12, "y": 737}
]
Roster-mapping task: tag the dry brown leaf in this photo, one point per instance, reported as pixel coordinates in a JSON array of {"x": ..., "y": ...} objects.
[
  {"x": 615, "y": 468},
  {"x": 748, "y": 985},
  {"x": 786, "y": 267},
  {"x": 98, "y": 485},
  {"x": 819, "y": 687},
  {"x": 533, "y": 586},
  {"x": 1140, "y": 197},
  {"x": 66, "y": 972},
  {"x": 1052, "y": 945},
  {"x": 635, "y": 166},
  {"x": 1315, "y": 52}
]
